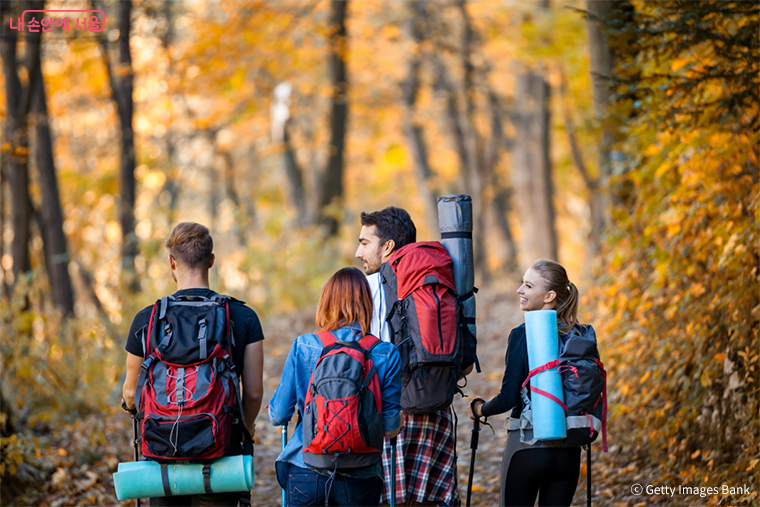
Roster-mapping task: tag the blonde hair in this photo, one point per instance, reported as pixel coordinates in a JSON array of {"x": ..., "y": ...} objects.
[
  {"x": 191, "y": 245},
  {"x": 555, "y": 279},
  {"x": 346, "y": 298}
]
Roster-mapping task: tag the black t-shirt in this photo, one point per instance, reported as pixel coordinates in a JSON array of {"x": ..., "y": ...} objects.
[{"x": 245, "y": 324}]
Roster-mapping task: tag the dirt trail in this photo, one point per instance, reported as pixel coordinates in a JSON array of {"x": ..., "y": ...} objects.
[{"x": 77, "y": 460}]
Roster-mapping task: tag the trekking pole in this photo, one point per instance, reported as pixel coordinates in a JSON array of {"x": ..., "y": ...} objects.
[
  {"x": 392, "y": 498},
  {"x": 588, "y": 475},
  {"x": 284, "y": 443},
  {"x": 136, "y": 454},
  {"x": 473, "y": 447}
]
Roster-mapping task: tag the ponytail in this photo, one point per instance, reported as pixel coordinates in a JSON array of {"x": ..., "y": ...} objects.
[
  {"x": 568, "y": 297},
  {"x": 567, "y": 310}
]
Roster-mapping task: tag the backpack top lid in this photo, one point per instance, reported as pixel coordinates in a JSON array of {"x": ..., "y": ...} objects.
[
  {"x": 579, "y": 343},
  {"x": 413, "y": 263}
]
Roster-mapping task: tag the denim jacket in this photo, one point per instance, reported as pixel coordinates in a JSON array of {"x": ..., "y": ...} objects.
[{"x": 291, "y": 393}]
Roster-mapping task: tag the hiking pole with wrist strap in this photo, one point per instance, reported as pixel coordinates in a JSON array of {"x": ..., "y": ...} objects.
[
  {"x": 392, "y": 499},
  {"x": 473, "y": 448},
  {"x": 588, "y": 475},
  {"x": 135, "y": 432},
  {"x": 284, "y": 443},
  {"x": 134, "y": 441}
]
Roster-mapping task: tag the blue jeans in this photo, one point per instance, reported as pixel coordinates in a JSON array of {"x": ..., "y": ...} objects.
[{"x": 307, "y": 487}]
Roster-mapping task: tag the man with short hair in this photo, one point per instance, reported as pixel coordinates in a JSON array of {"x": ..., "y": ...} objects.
[
  {"x": 190, "y": 257},
  {"x": 426, "y": 449}
]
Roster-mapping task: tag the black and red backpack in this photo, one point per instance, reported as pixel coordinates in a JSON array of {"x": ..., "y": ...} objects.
[
  {"x": 424, "y": 317},
  {"x": 342, "y": 415},
  {"x": 187, "y": 395},
  {"x": 584, "y": 387}
]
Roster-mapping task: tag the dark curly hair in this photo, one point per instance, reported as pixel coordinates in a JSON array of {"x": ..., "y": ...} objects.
[{"x": 392, "y": 223}]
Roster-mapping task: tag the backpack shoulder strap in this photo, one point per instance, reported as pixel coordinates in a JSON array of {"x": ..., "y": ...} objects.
[
  {"x": 151, "y": 330},
  {"x": 389, "y": 284},
  {"x": 326, "y": 337},
  {"x": 164, "y": 304},
  {"x": 369, "y": 342}
]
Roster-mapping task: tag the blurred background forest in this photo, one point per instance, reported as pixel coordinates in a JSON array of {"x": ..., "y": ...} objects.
[{"x": 617, "y": 137}]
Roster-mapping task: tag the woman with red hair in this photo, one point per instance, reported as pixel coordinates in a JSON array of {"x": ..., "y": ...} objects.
[{"x": 345, "y": 312}]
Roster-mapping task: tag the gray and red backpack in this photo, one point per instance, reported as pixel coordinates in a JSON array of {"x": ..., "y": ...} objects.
[
  {"x": 187, "y": 395},
  {"x": 342, "y": 416},
  {"x": 426, "y": 324},
  {"x": 584, "y": 386}
]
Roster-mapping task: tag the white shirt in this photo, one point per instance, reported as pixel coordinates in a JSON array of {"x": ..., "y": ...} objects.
[{"x": 379, "y": 326}]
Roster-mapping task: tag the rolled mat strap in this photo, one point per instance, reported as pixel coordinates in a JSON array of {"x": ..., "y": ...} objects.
[
  {"x": 541, "y": 369},
  {"x": 165, "y": 479},
  {"x": 207, "y": 478},
  {"x": 456, "y": 234},
  {"x": 550, "y": 396}
]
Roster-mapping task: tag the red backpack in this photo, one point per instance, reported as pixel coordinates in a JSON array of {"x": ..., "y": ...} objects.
[
  {"x": 342, "y": 421},
  {"x": 187, "y": 393},
  {"x": 424, "y": 319}
]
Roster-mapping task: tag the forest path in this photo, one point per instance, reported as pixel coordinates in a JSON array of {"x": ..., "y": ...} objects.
[{"x": 78, "y": 459}]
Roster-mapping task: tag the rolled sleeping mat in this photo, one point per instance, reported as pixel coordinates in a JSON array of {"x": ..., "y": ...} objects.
[
  {"x": 543, "y": 347},
  {"x": 455, "y": 224},
  {"x": 143, "y": 479}
]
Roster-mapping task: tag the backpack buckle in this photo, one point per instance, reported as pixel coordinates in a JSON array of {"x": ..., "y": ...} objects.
[{"x": 146, "y": 364}]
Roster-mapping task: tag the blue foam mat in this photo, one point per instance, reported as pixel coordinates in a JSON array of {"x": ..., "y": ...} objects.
[{"x": 543, "y": 346}]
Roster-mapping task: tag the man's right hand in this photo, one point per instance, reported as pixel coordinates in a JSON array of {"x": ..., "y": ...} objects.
[{"x": 132, "y": 410}]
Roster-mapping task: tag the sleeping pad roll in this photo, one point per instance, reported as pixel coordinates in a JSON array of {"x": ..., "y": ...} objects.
[
  {"x": 543, "y": 347},
  {"x": 145, "y": 479},
  {"x": 455, "y": 223}
]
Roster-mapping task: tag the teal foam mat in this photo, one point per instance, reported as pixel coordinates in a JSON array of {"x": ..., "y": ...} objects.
[{"x": 142, "y": 479}]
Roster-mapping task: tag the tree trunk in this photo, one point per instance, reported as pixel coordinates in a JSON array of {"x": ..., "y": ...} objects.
[
  {"x": 17, "y": 101},
  {"x": 127, "y": 170},
  {"x": 500, "y": 206},
  {"x": 3, "y": 179},
  {"x": 601, "y": 65},
  {"x": 295, "y": 175},
  {"x": 331, "y": 191},
  {"x": 121, "y": 94},
  {"x": 170, "y": 185},
  {"x": 531, "y": 169},
  {"x": 473, "y": 143},
  {"x": 412, "y": 130},
  {"x": 56, "y": 256},
  {"x": 242, "y": 219},
  {"x": 466, "y": 140}
]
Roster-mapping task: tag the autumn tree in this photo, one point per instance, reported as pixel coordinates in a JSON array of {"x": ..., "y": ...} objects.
[
  {"x": 121, "y": 82},
  {"x": 680, "y": 294},
  {"x": 326, "y": 187},
  {"x": 451, "y": 47},
  {"x": 51, "y": 220},
  {"x": 531, "y": 169},
  {"x": 18, "y": 104}
]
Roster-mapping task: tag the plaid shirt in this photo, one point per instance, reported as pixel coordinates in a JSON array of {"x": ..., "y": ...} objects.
[{"x": 426, "y": 462}]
